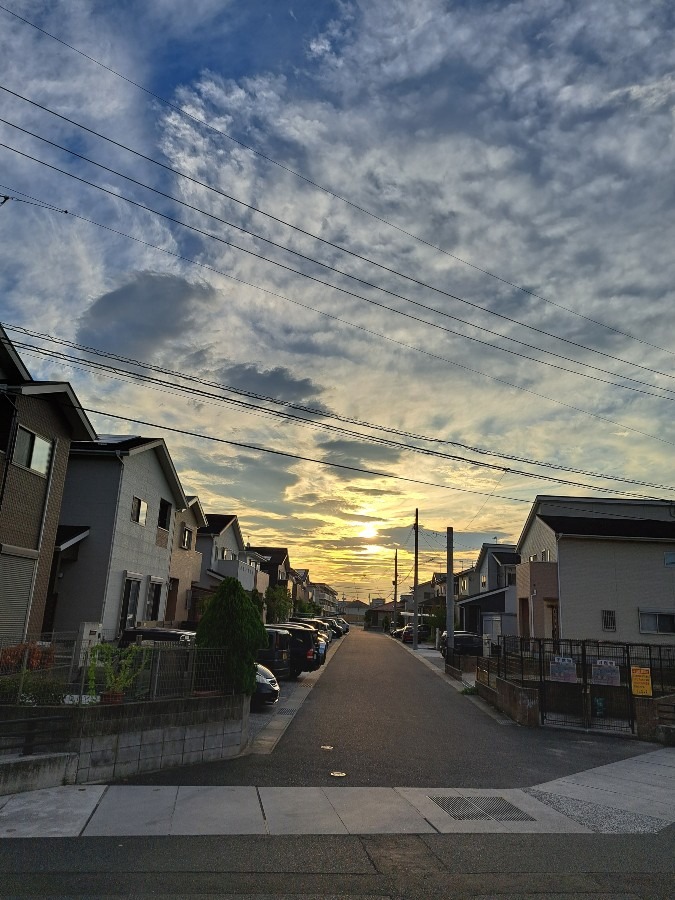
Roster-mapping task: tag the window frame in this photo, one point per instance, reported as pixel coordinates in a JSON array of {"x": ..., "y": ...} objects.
[
  {"x": 34, "y": 440},
  {"x": 164, "y": 514},
  {"x": 186, "y": 533},
  {"x": 608, "y": 617},
  {"x": 658, "y": 612},
  {"x": 139, "y": 514}
]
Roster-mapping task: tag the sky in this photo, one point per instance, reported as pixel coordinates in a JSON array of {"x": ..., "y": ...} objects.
[{"x": 423, "y": 250}]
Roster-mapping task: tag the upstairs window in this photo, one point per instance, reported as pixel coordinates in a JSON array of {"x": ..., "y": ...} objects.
[
  {"x": 139, "y": 510},
  {"x": 186, "y": 538},
  {"x": 609, "y": 620},
  {"x": 164, "y": 518},
  {"x": 32, "y": 452},
  {"x": 483, "y": 581}
]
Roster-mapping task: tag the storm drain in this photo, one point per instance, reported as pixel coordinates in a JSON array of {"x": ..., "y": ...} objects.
[
  {"x": 481, "y": 808},
  {"x": 285, "y": 711}
]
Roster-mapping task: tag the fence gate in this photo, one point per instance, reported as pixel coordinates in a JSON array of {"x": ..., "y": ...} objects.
[{"x": 586, "y": 684}]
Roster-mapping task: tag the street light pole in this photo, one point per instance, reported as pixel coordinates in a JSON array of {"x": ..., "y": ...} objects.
[{"x": 395, "y": 588}]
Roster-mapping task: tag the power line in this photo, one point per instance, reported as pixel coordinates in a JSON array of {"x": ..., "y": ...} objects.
[
  {"x": 317, "y": 412},
  {"x": 369, "y": 300},
  {"x": 371, "y": 439},
  {"x": 330, "y": 192},
  {"x": 259, "y": 211},
  {"x": 362, "y": 328}
]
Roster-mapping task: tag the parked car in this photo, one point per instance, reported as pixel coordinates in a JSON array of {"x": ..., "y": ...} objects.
[
  {"x": 397, "y": 632},
  {"x": 156, "y": 635},
  {"x": 277, "y": 654},
  {"x": 322, "y": 637},
  {"x": 322, "y": 627},
  {"x": 344, "y": 623},
  {"x": 423, "y": 633},
  {"x": 266, "y": 687},
  {"x": 465, "y": 642},
  {"x": 304, "y": 648}
]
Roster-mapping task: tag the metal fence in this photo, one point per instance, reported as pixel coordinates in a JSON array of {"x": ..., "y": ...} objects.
[
  {"x": 37, "y": 673},
  {"x": 590, "y": 684}
]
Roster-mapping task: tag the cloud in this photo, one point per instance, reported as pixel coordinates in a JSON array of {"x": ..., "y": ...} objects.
[{"x": 147, "y": 312}]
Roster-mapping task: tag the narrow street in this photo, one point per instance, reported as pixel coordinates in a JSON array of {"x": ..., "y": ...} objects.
[{"x": 393, "y": 722}]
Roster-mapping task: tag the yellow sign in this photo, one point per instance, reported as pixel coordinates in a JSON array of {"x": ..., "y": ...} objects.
[{"x": 641, "y": 679}]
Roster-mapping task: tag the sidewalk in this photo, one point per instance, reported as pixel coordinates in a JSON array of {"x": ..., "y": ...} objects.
[{"x": 635, "y": 796}]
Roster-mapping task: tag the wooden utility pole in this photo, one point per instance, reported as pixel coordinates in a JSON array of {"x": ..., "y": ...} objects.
[{"x": 416, "y": 579}]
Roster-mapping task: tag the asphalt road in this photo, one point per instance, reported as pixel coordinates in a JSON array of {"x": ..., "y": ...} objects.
[
  {"x": 394, "y": 723},
  {"x": 391, "y": 722}
]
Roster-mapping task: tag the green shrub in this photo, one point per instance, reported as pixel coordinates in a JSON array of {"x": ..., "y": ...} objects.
[{"x": 231, "y": 624}]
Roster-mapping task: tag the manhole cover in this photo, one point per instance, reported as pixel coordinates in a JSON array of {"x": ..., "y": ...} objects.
[{"x": 481, "y": 808}]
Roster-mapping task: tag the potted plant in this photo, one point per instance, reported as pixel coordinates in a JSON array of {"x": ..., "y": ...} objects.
[{"x": 120, "y": 668}]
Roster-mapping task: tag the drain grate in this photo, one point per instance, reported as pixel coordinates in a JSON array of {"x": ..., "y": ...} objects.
[
  {"x": 285, "y": 711},
  {"x": 481, "y": 808}
]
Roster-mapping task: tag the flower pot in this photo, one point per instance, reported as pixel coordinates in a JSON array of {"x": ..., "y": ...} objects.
[{"x": 110, "y": 697}]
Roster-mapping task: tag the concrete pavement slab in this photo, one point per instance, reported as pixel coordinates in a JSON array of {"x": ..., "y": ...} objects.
[
  {"x": 566, "y": 788},
  {"x": 127, "y": 810},
  {"x": 303, "y": 810},
  {"x": 376, "y": 811},
  {"x": 217, "y": 810},
  {"x": 51, "y": 812}
]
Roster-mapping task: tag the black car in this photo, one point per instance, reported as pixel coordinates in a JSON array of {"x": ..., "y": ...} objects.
[
  {"x": 464, "y": 642},
  {"x": 304, "y": 647},
  {"x": 266, "y": 688},
  {"x": 156, "y": 635},
  {"x": 277, "y": 654}
]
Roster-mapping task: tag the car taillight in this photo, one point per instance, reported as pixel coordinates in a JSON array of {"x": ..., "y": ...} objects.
[{"x": 310, "y": 653}]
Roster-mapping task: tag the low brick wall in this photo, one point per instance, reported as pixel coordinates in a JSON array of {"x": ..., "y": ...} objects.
[
  {"x": 521, "y": 704},
  {"x": 101, "y": 743},
  {"x": 655, "y": 719}
]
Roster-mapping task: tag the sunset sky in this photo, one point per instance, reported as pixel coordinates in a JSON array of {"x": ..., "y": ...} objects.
[{"x": 403, "y": 238}]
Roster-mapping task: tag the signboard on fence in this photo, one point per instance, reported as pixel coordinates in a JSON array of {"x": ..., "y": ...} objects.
[
  {"x": 641, "y": 679},
  {"x": 563, "y": 668},
  {"x": 606, "y": 671}
]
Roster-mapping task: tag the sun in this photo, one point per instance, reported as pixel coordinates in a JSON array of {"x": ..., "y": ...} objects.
[{"x": 369, "y": 531}]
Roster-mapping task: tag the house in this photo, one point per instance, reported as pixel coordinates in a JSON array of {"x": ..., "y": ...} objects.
[
  {"x": 326, "y": 598},
  {"x": 38, "y": 422},
  {"x": 491, "y": 606},
  {"x": 186, "y": 562},
  {"x": 275, "y": 563},
  {"x": 224, "y": 555},
  {"x": 302, "y": 589},
  {"x": 119, "y": 503},
  {"x": 602, "y": 569},
  {"x": 353, "y": 611}
]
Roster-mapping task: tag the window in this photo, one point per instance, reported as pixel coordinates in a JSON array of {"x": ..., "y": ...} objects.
[
  {"x": 533, "y": 558},
  {"x": 152, "y": 601},
  {"x": 139, "y": 510},
  {"x": 669, "y": 559},
  {"x": 186, "y": 538},
  {"x": 656, "y": 621},
  {"x": 609, "y": 620},
  {"x": 164, "y": 518},
  {"x": 32, "y": 452},
  {"x": 483, "y": 581},
  {"x": 546, "y": 556}
]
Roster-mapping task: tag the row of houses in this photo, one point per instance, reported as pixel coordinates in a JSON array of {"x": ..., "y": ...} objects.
[
  {"x": 96, "y": 532},
  {"x": 583, "y": 567}
]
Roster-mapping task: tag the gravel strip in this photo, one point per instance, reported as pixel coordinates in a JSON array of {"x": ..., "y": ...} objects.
[{"x": 601, "y": 819}]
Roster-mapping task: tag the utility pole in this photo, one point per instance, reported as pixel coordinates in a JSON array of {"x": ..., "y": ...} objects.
[
  {"x": 450, "y": 591},
  {"x": 416, "y": 579},
  {"x": 395, "y": 588}
]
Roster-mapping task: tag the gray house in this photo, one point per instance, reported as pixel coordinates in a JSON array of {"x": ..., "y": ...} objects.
[
  {"x": 491, "y": 606},
  {"x": 117, "y": 521}
]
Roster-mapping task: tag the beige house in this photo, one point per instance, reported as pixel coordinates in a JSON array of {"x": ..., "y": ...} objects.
[
  {"x": 186, "y": 562},
  {"x": 602, "y": 569}
]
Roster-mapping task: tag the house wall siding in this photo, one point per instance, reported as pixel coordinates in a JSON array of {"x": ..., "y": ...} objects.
[
  {"x": 90, "y": 498},
  {"x": 25, "y": 495},
  {"x": 135, "y": 547},
  {"x": 185, "y": 564},
  {"x": 538, "y": 538},
  {"x": 614, "y": 575}
]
